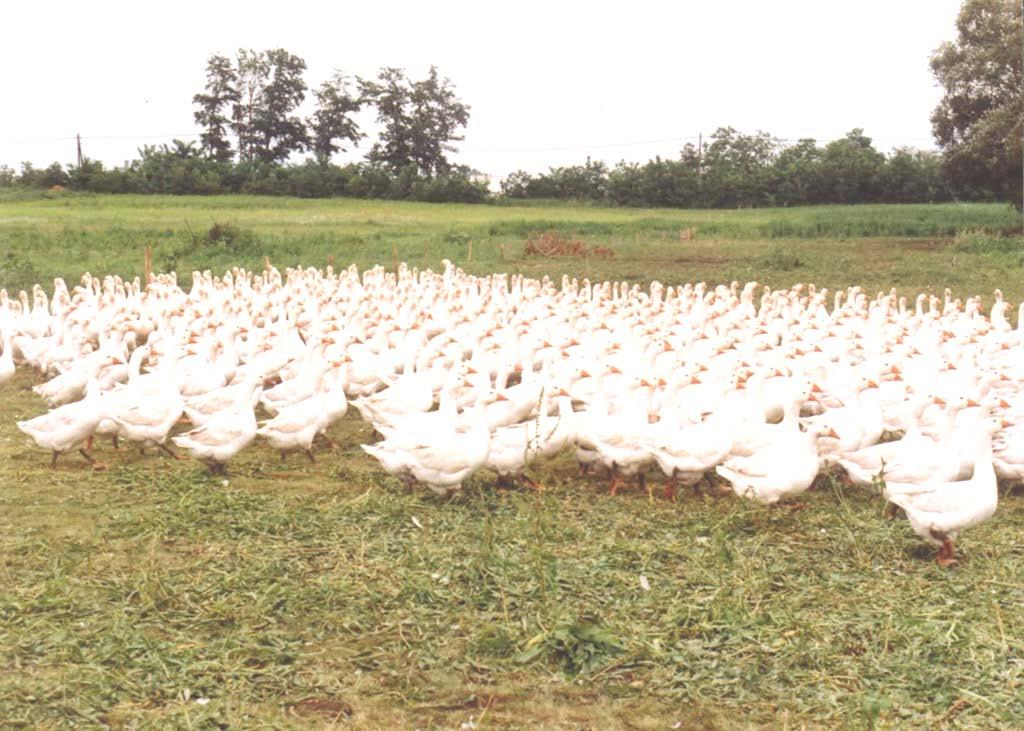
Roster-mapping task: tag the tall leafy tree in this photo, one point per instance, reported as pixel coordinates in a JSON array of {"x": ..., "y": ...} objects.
[
  {"x": 270, "y": 90},
  {"x": 253, "y": 71},
  {"x": 332, "y": 124},
  {"x": 420, "y": 119},
  {"x": 978, "y": 122},
  {"x": 214, "y": 106},
  {"x": 279, "y": 130}
]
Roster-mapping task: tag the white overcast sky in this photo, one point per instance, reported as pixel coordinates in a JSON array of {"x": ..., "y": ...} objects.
[{"x": 549, "y": 83}]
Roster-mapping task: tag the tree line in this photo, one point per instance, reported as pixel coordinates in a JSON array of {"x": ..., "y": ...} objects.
[
  {"x": 735, "y": 170},
  {"x": 730, "y": 170},
  {"x": 253, "y": 131}
]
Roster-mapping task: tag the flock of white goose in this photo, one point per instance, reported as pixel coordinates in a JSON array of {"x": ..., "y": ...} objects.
[{"x": 458, "y": 373}]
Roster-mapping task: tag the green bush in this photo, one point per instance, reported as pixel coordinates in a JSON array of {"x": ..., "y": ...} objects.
[{"x": 181, "y": 169}]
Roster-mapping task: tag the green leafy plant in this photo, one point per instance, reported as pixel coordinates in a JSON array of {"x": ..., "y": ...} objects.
[{"x": 579, "y": 645}]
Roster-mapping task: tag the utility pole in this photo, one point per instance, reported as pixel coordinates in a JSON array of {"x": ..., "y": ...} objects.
[{"x": 78, "y": 140}]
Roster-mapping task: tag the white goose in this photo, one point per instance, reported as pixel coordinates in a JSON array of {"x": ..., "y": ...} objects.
[
  {"x": 784, "y": 469},
  {"x": 296, "y": 426},
  {"x": 938, "y": 511},
  {"x": 439, "y": 461},
  {"x": 149, "y": 422},
  {"x": 7, "y": 360},
  {"x": 515, "y": 447},
  {"x": 223, "y": 436},
  {"x": 67, "y": 427}
]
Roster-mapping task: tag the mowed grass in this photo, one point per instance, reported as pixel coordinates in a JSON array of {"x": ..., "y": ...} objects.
[
  {"x": 154, "y": 595},
  {"x": 912, "y": 247},
  {"x": 297, "y": 595}
]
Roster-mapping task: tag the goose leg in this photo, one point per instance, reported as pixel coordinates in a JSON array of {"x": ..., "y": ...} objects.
[
  {"x": 642, "y": 480},
  {"x": 669, "y": 489},
  {"x": 532, "y": 483},
  {"x": 53, "y": 461},
  {"x": 946, "y": 557},
  {"x": 309, "y": 453},
  {"x": 613, "y": 487},
  {"x": 92, "y": 460}
]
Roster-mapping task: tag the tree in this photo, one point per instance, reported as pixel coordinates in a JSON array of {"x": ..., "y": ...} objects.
[
  {"x": 912, "y": 176},
  {"x": 978, "y": 122},
  {"x": 220, "y": 97},
  {"x": 419, "y": 119},
  {"x": 851, "y": 169},
  {"x": 797, "y": 172},
  {"x": 270, "y": 89},
  {"x": 331, "y": 122},
  {"x": 737, "y": 168}
]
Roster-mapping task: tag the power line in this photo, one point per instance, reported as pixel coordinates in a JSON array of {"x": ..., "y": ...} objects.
[{"x": 104, "y": 137}]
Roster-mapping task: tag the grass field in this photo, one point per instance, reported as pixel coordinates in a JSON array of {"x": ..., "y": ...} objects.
[
  {"x": 971, "y": 248},
  {"x": 297, "y": 595}
]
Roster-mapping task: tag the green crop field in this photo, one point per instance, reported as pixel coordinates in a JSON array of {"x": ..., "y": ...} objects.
[{"x": 295, "y": 594}]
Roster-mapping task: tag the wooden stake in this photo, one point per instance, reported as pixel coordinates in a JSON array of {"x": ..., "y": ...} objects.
[
  {"x": 469, "y": 255},
  {"x": 426, "y": 253},
  {"x": 266, "y": 264},
  {"x": 394, "y": 256},
  {"x": 501, "y": 249}
]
